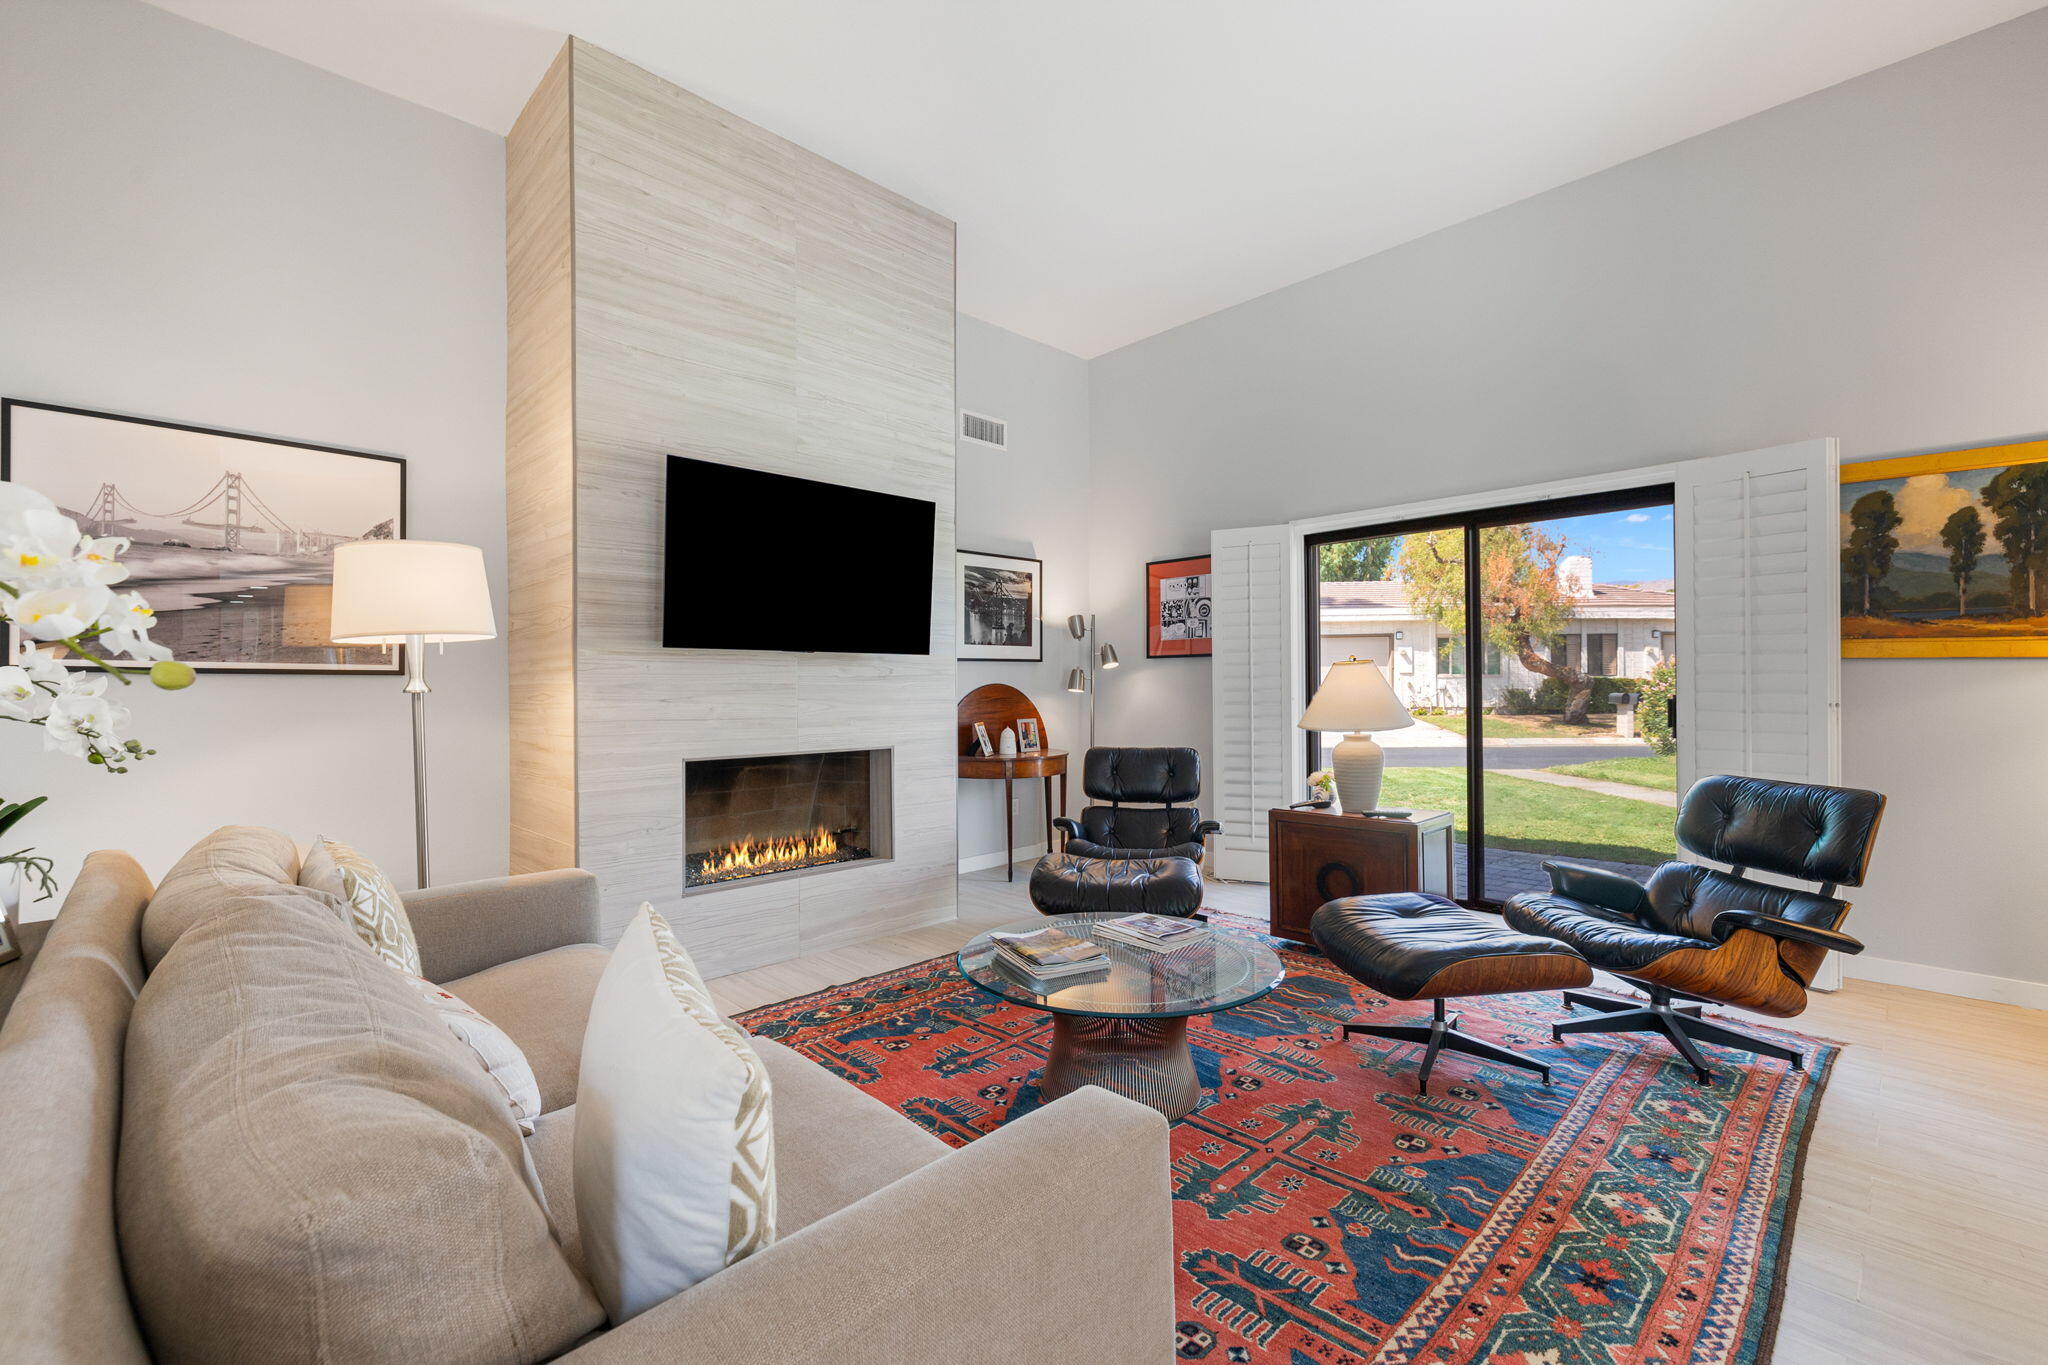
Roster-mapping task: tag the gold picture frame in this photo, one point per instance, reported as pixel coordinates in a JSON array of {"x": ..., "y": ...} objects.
[{"x": 1946, "y": 555}]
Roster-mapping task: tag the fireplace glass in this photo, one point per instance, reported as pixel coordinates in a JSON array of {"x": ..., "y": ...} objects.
[{"x": 773, "y": 814}]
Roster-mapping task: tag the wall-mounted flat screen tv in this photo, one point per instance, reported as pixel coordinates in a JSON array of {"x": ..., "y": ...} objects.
[{"x": 770, "y": 562}]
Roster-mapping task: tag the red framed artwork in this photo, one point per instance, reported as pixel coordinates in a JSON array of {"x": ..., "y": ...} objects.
[{"x": 1177, "y": 608}]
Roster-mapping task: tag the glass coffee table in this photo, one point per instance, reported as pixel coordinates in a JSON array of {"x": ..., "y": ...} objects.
[{"x": 1127, "y": 1030}]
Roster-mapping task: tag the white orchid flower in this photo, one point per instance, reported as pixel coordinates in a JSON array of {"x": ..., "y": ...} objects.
[
  {"x": 20, "y": 698},
  {"x": 16, "y": 499},
  {"x": 39, "y": 555},
  {"x": 127, "y": 622},
  {"x": 98, "y": 559},
  {"x": 59, "y": 613},
  {"x": 84, "y": 720},
  {"x": 42, "y": 667}
]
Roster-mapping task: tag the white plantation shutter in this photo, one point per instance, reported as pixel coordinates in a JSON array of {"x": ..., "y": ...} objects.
[
  {"x": 1759, "y": 655},
  {"x": 1252, "y": 747}
]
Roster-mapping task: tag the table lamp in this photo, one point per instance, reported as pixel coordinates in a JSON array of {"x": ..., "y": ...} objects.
[
  {"x": 412, "y": 593},
  {"x": 1356, "y": 698}
]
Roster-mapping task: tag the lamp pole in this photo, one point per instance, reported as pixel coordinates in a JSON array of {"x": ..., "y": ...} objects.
[{"x": 416, "y": 687}]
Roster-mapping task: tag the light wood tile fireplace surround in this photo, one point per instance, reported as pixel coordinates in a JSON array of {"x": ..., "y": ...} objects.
[{"x": 683, "y": 282}]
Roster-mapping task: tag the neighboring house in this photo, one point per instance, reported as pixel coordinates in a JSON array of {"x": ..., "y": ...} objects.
[{"x": 1617, "y": 631}]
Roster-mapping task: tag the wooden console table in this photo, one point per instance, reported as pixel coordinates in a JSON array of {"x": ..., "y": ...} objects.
[
  {"x": 997, "y": 705},
  {"x": 1316, "y": 856}
]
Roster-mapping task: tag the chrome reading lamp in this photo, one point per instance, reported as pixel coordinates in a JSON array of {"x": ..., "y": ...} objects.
[
  {"x": 1083, "y": 678},
  {"x": 413, "y": 593}
]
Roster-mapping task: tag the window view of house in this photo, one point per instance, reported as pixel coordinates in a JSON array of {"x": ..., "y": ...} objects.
[{"x": 1579, "y": 622}]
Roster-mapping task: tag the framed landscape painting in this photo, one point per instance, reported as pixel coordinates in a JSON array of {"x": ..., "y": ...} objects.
[
  {"x": 1177, "y": 608},
  {"x": 1000, "y": 597},
  {"x": 231, "y": 537},
  {"x": 1946, "y": 555}
]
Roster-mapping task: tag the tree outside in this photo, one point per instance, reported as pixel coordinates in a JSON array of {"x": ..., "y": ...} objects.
[
  {"x": 1356, "y": 561},
  {"x": 1523, "y": 600}
]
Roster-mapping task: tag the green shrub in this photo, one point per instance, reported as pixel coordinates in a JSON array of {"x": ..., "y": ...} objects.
[
  {"x": 1551, "y": 695},
  {"x": 1653, "y": 718},
  {"x": 1515, "y": 701}
]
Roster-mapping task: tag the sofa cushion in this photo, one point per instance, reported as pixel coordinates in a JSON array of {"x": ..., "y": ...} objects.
[
  {"x": 675, "y": 1135},
  {"x": 232, "y": 858},
  {"x": 835, "y": 1144},
  {"x": 373, "y": 905},
  {"x": 542, "y": 1002},
  {"x": 312, "y": 1167},
  {"x": 499, "y": 1056}
]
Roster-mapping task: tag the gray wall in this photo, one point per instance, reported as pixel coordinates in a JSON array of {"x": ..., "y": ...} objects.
[
  {"x": 197, "y": 229},
  {"x": 1031, "y": 499},
  {"x": 1870, "y": 262}
]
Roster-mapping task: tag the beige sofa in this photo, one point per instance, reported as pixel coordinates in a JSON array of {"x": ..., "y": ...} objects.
[{"x": 1050, "y": 1239}]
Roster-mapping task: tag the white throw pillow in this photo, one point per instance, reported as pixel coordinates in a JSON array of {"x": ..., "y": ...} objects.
[
  {"x": 675, "y": 1153},
  {"x": 500, "y": 1056},
  {"x": 375, "y": 911}
]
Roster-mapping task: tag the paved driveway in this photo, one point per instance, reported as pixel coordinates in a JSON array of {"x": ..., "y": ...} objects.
[{"x": 1509, "y": 754}]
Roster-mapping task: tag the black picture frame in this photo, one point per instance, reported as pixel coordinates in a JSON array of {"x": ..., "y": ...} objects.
[
  {"x": 970, "y": 605},
  {"x": 393, "y": 663}
]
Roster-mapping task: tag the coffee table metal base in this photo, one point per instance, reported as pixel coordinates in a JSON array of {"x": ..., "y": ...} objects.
[{"x": 1146, "y": 1060}]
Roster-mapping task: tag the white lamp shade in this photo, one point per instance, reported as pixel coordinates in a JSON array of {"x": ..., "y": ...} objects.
[
  {"x": 386, "y": 591},
  {"x": 1355, "y": 698}
]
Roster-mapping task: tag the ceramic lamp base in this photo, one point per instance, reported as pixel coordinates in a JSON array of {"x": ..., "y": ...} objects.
[{"x": 1356, "y": 765}]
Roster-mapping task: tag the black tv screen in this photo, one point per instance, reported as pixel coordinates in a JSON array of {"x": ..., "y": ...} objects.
[{"x": 771, "y": 562}]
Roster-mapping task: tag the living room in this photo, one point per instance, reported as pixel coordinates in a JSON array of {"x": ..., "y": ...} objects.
[{"x": 1590, "y": 437}]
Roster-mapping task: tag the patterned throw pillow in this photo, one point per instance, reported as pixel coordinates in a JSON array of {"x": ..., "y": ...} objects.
[
  {"x": 675, "y": 1147},
  {"x": 500, "y": 1056},
  {"x": 374, "y": 908}
]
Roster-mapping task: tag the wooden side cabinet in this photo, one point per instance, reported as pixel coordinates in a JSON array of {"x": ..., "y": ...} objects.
[{"x": 1317, "y": 856}]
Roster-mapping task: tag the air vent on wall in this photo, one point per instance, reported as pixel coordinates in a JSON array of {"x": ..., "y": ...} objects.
[{"x": 990, "y": 431}]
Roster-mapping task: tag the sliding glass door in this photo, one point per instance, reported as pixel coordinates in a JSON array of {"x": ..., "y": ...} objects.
[{"x": 1534, "y": 646}]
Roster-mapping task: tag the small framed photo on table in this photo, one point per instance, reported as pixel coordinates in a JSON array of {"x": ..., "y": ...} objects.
[
  {"x": 981, "y": 739},
  {"x": 1027, "y": 734},
  {"x": 1177, "y": 608}
]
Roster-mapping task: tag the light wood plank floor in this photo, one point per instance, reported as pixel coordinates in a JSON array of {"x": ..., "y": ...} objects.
[{"x": 1922, "y": 1234}]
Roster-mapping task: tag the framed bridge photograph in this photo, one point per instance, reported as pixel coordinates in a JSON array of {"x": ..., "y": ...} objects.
[{"x": 231, "y": 536}]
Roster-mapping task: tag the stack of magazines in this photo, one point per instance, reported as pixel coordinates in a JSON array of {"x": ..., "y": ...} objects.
[
  {"x": 1151, "y": 932},
  {"x": 1048, "y": 956}
]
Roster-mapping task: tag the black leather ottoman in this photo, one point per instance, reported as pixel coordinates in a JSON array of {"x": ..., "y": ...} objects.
[
  {"x": 1063, "y": 884},
  {"x": 1416, "y": 946}
]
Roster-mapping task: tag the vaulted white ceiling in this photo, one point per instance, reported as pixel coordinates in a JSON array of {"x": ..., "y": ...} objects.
[{"x": 1119, "y": 167}]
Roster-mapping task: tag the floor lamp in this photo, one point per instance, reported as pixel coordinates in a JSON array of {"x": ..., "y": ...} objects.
[
  {"x": 1083, "y": 679},
  {"x": 413, "y": 593}
]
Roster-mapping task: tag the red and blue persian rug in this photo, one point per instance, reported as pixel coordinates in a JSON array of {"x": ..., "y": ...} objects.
[{"x": 1328, "y": 1215}]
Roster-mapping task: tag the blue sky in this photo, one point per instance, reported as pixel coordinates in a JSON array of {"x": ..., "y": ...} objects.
[{"x": 1627, "y": 547}]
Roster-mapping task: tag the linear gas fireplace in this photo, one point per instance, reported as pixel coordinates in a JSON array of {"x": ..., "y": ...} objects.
[{"x": 768, "y": 815}]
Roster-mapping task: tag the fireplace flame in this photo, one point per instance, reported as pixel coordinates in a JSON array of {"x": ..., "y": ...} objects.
[{"x": 768, "y": 855}]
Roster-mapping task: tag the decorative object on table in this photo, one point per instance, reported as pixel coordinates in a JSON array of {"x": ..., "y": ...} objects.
[
  {"x": 675, "y": 1138},
  {"x": 414, "y": 593},
  {"x": 1027, "y": 734},
  {"x": 1096, "y": 656},
  {"x": 1125, "y": 1027},
  {"x": 1413, "y": 946},
  {"x": 1164, "y": 827},
  {"x": 1699, "y": 934},
  {"x": 1000, "y": 597},
  {"x": 231, "y": 535},
  {"x": 1355, "y": 699},
  {"x": 1946, "y": 555},
  {"x": 999, "y": 704},
  {"x": 1153, "y": 933},
  {"x": 1569, "y": 1172},
  {"x": 1007, "y": 747},
  {"x": 58, "y": 602},
  {"x": 1177, "y": 608},
  {"x": 1071, "y": 884},
  {"x": 1322, "y": 785},
  {"x": 1316, "y": 856}
]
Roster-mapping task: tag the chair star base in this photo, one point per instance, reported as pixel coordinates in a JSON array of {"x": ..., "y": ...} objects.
[
  {"x": 1441, "y": 1034},
  {"x": 1681, "y": 1024}
]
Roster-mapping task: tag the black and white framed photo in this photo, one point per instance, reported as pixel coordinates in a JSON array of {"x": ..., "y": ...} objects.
[
  {"x": 1001, "y": 598},
  {"x": 231, "y": 536}
]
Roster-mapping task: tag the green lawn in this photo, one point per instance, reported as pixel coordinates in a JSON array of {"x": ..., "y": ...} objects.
[
  {"x": 1525, "y": 727},
  {"x": 1654, "y": 771},
  {"x": 1537, "y": 817}
]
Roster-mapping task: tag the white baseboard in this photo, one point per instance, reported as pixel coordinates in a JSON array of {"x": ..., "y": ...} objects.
[
  {"x": 986, "y": 860},
  {"x": 2005, "y": 990}
]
